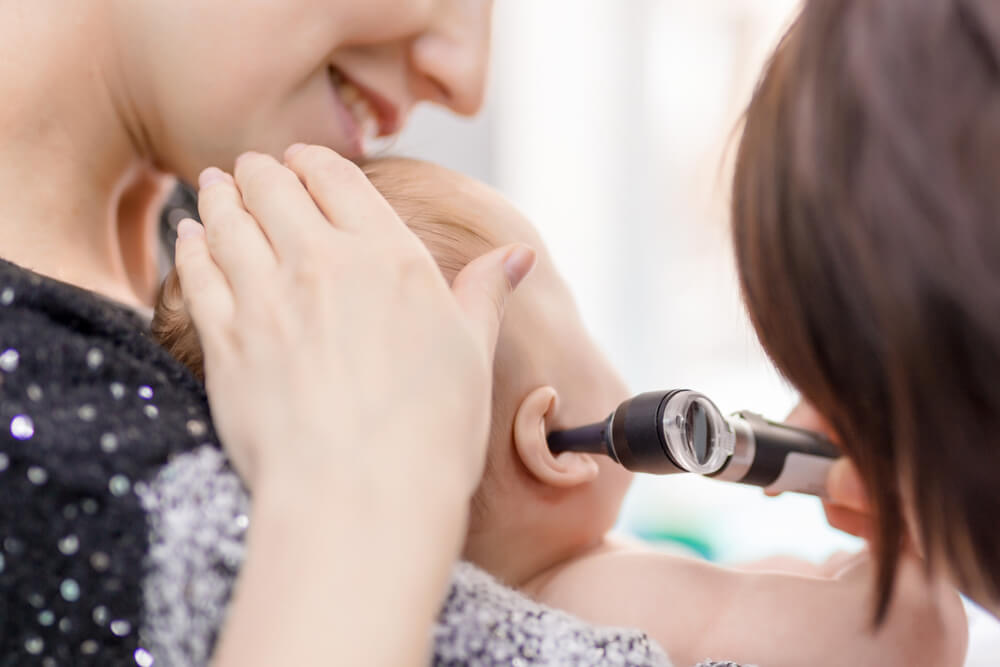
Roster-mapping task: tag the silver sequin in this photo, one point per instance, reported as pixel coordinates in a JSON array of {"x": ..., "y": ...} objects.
[
  {"x": 146, "y": 392},
  {"x": 94, "y": 358},
  {"x": 101, "y": 615},
  {"x": 143, "y": 658},
  {"x": 22, "y": 427},
  {"x": 7, "y": 296},
  {"x": 65, "y": 625},
  {"x": 87, "y": 412},
  {"x": 89, "y": 647},
  {"x": 117, "y": 390},
  {"x": 37, "y": 476},
  {"x": 69, "y": 545},
  {"x": 119, "y": 485},
  {"x": 196, "y": 428},
  {"x": 35, "y": 392},
  {"x": 70, "y": 590},
  {"x": 34, "y": 645},
  {"x": 109, "y": 442},
  {"x": 4, "y": 461},
  {"x": 9, "y": 360},
  {"x": 121, "y": 628},
  {"x": 46, "y": 618},
  {"x": 99, "y": 561},
  {"x": 151, "y": 411}
]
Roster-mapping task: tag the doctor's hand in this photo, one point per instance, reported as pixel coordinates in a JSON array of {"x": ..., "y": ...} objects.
[{"x": 847, "y": 507}]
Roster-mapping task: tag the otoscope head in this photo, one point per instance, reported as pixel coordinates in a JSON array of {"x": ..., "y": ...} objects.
[{"x": 657, "y": 432}]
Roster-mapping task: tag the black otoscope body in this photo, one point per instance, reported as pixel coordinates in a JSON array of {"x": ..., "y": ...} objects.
[{"x": 667, "y": 432}]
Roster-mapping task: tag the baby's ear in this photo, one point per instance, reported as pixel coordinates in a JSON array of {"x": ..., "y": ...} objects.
[{"x": 567, "y": 470}]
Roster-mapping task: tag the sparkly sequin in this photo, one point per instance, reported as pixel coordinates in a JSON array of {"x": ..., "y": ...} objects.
[
  {"x": 34, "y": 645},
  {"x": 94, "y": 358},
  {"x": 143, "y": 658},
  {"x": 121, "y": 628},
  {"x": 70, "y": 590},
  {"x": 9, "y": 360},
  {"x": 101, "y": 615},
  {"x": 196, "y": 428},
  {"x": 4, "y": 462},
  {"x": 117, "y": 390},
  {"x": 145, "y": 392},
  {"x": 151, "y": 411},
  {"x": 109, "y": 443},
  {"x": 7, "y": 296},
  {"x": 22, "y": 427},
  {"x": 35, "y": 392},
  {"x": 37, "y": 475},
  {"x": 69, "y": 545},
  {"x": 46, "y": 618},
  {"x": 119, "y": 485},
  {"x": 87, "y": 413},
  {"x": 99, "y": 561}
]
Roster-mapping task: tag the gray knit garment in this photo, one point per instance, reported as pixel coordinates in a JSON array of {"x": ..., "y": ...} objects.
[{"x": 485, "y": 624}]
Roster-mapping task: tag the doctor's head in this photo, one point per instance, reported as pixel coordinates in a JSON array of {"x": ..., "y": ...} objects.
[{"x": 866, "y": 223}]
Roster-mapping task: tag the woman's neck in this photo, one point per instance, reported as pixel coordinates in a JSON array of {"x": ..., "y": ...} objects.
[{"x": 77, "y": 189}]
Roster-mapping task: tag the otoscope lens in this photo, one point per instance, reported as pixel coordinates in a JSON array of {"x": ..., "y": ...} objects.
[
  {"x": 696, "y": 435},
  {"x": 699, "y": 432}
]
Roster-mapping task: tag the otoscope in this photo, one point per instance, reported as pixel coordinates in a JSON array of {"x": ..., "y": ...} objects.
[{"x": 677, "y": 431}]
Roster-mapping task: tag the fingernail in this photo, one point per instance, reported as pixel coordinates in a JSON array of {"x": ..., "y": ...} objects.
[
  {"x": 187, "y": 228},
  {"x": 293, "y": 149},
  {"x": 518, "y": 264},
  {"x": 243, "y": 156},
  {"x": 211, "y": 176}
]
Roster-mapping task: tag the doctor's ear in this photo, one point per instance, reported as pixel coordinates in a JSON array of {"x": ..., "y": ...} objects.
[{"x": 567, "y": 470}]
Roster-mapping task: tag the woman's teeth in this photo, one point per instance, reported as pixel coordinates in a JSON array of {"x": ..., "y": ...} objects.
[{"x": 357, "y": 104}]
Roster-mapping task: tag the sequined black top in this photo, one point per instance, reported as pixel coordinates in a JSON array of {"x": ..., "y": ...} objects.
[{"x": 122, "y": 524}]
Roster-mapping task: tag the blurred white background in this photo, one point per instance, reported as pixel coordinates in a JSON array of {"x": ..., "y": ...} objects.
[{"x": 611, "y": 123}]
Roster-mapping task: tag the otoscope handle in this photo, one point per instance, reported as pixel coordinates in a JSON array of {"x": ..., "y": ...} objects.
[{"x": 787, "y": 458}]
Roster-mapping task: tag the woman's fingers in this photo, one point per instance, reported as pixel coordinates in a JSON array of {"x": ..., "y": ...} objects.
[
  {"x": 482, "y": 287},
  {"x": 207, "y": 295},
  {"x": 845, "y": 487},
  {"x": 237, "y": 243},
  {"x": 342, "y": 192},
  {"x": 279, "y": 202}
]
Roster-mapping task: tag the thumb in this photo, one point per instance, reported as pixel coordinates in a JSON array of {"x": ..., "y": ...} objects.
[{"x": 482, "y": 287}]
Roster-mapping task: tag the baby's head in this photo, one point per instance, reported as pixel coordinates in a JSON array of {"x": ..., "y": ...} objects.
[{"x": 532, "y": 509}]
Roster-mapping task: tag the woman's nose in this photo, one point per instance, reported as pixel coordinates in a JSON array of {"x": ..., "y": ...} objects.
[{"x": 450, "y": 60}]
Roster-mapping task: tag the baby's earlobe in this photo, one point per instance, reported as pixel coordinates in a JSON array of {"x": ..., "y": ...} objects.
[{"x": 567, "y": 470}]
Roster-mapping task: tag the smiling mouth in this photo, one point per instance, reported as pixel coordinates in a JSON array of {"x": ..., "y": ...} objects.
[{"x": 374, "y": 116}]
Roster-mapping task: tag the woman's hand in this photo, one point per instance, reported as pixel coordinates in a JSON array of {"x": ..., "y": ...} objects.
[
  {"x": 351, "y": 388},
  {"x": 330, "y": 337}
]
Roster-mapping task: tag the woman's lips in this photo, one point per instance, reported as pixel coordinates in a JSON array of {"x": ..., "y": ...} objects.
[
  {"x": 363, "y": 113},
  {"x": 351, "y": 128}
]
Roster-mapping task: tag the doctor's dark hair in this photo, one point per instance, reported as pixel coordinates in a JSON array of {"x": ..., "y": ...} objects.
[{"x": 866, "y": 226}]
